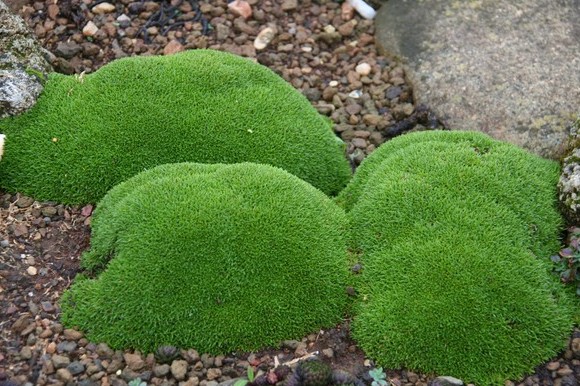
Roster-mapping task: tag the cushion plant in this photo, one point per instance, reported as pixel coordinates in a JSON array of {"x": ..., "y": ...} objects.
[
  {"x": 88, "y": 133},
  {"x": 475, "y": 141},
  {"x": 469, "y": 164},
  {"x": 216, "y": 257},
  {"x": 397, "y": 208},
  {"x": 453, "y": 305},
  {"x": 449, "y": 231}
]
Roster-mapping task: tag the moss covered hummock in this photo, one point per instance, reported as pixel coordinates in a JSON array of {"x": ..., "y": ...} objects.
[
  {"x": 467, "y": 165},
  {"x": 88, "y": 133},
  {"x": 216, "y": 257},
  {"x": 454, "y": 231}
]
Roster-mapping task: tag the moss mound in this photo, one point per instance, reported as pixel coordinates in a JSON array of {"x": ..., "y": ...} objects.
[
  {"x": 535, "y": 167},
  {"x": 460, "y": 308},
  {"x": 449, "y": 233},
  {"x": 468, "y": 165},
  {"x": 217, "y": 257},
  {"x": 86, "y": 134}
]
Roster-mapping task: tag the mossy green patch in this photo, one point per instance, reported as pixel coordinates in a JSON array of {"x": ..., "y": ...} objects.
[
  {"x": 452, "y": 305},
  {"x": 449, "y": 228},
  {"x": 216, "y": 257},
  {"x": 467, "y": 165},
  {"x": 88, "y": 133},
  {"x": 477, "y": 142}
]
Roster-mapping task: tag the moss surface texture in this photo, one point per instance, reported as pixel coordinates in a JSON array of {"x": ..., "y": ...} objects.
[
  {"x": 216, "y": 257},
  {"x": 454, "y": 231},
  {"x": 88, "y": 133}
]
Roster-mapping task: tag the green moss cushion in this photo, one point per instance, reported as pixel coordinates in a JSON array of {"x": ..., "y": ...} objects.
[
  {"x": 448, "y": 234},
  {"x": 466, "y": 165},
  {"x": 475, "y": 141},
  {"x": 393, "y": 210},
  {"x": 216, "y": 257},
  {"x": 88, "y": 133},
  {"x": 452, "y": 304}
]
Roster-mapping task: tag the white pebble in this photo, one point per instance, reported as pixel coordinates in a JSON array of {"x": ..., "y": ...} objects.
[
  {"x": 333, "y": 83},
  {"x": 355, "y": 94},
  {"x": 31, "y": 271},
  {"x": 90, "y": 29},
  {"x": 363, "y": 8},
  {"x": 363, "y": 69},
  {"x": 264, "y": 38},
  {"x": 123, "y": 18}
]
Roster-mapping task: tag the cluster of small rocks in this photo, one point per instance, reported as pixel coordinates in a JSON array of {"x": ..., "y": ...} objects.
[{"x": 326, "y": 53}]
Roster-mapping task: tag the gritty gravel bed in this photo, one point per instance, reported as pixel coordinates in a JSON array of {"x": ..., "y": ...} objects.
[{"x": 324, "y": 51}]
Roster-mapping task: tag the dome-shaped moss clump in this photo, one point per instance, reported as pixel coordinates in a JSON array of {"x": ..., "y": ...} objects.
[
  {"x": 216, "y": 257},
  {"x": 468, "y": 164},
  {"x": 452, "y": 305},
  {"x": 478, "y": 143},
  {"x": 88, "y": 133},
  {"x": 454, "y": 231}
]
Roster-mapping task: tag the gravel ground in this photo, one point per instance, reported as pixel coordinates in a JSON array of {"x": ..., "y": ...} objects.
[{"x": 323, "y": 50}]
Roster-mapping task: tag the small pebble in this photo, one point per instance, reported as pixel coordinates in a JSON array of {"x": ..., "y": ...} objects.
[
  {"x": 76, "y": 368},
  {"x": 264, "y": 38},
  {"x": 90, "y": 29},
  {"x": 103, "y": 8},
  {"x": 70, "y": 334},
  {"x": 64, "y": 375},
  {"x": 328, "y": 352},
  {"x": 240, "y": 8},
  {"x": 51, "y": 348},
  {"x": 363, "y": 69}
]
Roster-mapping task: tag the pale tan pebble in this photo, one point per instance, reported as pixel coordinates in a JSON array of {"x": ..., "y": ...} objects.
[
  {"x": 103, "y": 8},
  {"x": 264, "y": 38}
]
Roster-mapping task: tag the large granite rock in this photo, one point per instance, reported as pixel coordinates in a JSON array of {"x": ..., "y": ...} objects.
[
  {"x": 569, "y": 183},
  {"x": 23, "y": 67},
  {"x": 508, "y": 68}
]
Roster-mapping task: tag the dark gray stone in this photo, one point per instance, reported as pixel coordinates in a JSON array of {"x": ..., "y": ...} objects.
[
  {"x": 569, "y": 380},
  {"x": 23, "y": 67},
  {"x": 76, "y": 368},
  {"x": 88, "y": 382},
  {"x": 313, "y": 94},
  {"x": 67, "y": 50},
  {"x": 66, "y": 346},
  {"x": 60, "y": 361},
  {"x": 509, "y": 69}
]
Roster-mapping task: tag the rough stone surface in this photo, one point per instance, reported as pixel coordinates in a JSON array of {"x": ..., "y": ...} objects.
[
  {"x": 569, "y": 183},
  {"x": 446, "y": 381},
  {"x": 22, "y": 65},
  {"x": 509, "y": 69},
  {"x": 179, "y": 369}
]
